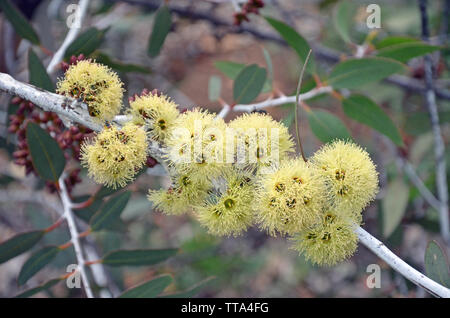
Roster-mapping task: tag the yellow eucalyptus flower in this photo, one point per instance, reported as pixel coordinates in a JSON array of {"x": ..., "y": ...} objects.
[
  {"x": 330, "y": 241},
  {"x": 115, "y": 155},
  {"x": 183, "y": 193},
  {"x": 229, "y": 209},
  {"x": 158, "y": 112},
  {"x": 96, "y": 85},
  {"x": 195, "y": 145},
  {"x": 291, "y": 198},
  {"x": 349, "y": 174},
  {"x": 261, "y": 140}
]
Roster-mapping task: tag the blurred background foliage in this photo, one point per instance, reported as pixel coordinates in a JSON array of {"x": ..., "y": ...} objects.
[{"x": 253, "y": 265}]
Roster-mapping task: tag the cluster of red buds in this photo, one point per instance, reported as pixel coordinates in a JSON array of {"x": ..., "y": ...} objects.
[
  {"x": 68, "y": 139},
  {"x": 250, "y": 7},
  {"x": 72, "y": 61}
]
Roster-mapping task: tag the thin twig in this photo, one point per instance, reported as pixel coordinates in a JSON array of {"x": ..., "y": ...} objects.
[
  {"x": 400, "y": 266},
  {"x": 282, "y": 100},
  {"x": 418, "y": 183},
  {"x": 67, "y": 205},
  {"x": 71, "y": 35},
  {"x": 297, "y": 101},
  {"x": 439, "y": 148}
]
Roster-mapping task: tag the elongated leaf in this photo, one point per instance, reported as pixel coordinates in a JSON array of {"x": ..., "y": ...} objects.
[
  {"x": 86, "y": 43},
  {"x": 32, "y": 291},
  {"x": 38, "y": 75},
  {"x": 394, "y": 205},
  {"x": 36, "y": 262},
  {"x": 105, "y": 191},
  {"x": 48, "y": 159},
  {"x": 86, "y": 213},
  {"x": 19, "y": 22},
  {"x": 18, "y": 244},
  {"x": 161, "y": 28},
  {"x": 269, "y": 70},
  {"x": 138, "y": 257},
  {"x": 194, "y": 290},
  {"x": 436, "y": 264},
  {"x": 364, "y": 110},
  {"x": 214, "y": 87},
  {"x": 294, "y": 40},
  {"x": 148, "y": 289},
  {"x": 232, "y": 69},
  {"x": 342, "y": 19},
  {"x": 354, "y": 73},
  {"x": 326, "y": 126},
  {"x": 406, "y": 51},
  {"x": 394, "y": 40},
  {"x": 248, "y": 84},
  {"x": 110, "y": 212}
]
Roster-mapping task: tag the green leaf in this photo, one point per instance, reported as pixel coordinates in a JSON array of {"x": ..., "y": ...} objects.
[
  {"x": 248, "y": 84},
  {"x": 105, "y": 191},
  {"x": 86, "y": 213},
  {"x": 214, "y": 87},
  {"x": 48, "y": 159},
  {"x": 119, "y": 66},
  {"x": 326, "y": 126},
  {"x": 394, "y": 40},
  {"x": 364, "y": 110},
  {"x": 294, "y": 40},
  {"x": 148, "y": 289},
  {"x": 19, "y": 22},
  {"x": 38, "y": 75},
  {"x": 268, "y": 84},
  {"x": 354, "y": 73},
  {"x": 342, "y": 19},
  {"x": 36, "y": 262},
  {"x": 406, "y": 51},
  {"x": 138, "y": 257},
  {"x": 161, "y": 28},
  {"x": 191, "y": 292},
  {"x": 436, "y": 264},
  {"x": 232, "y": 69},
  {"x": 110, "y": 212},
  {"x": 18, "y": 244},
  {"x": 35, "y": 290},
  {"x": 394, "y": 205},
  {"x": 86, "y": 43}
]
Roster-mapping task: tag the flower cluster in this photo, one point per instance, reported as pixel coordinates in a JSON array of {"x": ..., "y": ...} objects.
[
  {"x": 96, "y": 85},
  {"x": 115, "y": 155},
  {"x": 235, "y": 175}
]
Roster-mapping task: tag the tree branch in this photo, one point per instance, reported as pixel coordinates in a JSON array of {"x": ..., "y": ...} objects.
[
  {"x": 282, "y": 100},
  {"x": 67, "y": 205},
  {"x": 400, "y": 266},
  {"x": 71, "y": 35},
  {"x": 439, "y": 148},
  {"x": 42, "y": 98}
]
